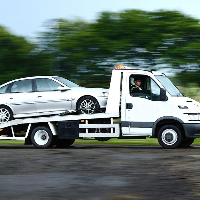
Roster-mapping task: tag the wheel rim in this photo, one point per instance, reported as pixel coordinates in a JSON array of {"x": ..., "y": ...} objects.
[
  {"x": 4, "y": 115},
  {"x": 87, "y": 106},
  {"x": 41, "y": 137},
  {"x": 169, "y": 137}
]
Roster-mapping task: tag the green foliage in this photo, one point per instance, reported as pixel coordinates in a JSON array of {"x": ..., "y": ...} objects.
[
  {"x": 17, "y": 58},
  {"x": 85, "y": 52}
]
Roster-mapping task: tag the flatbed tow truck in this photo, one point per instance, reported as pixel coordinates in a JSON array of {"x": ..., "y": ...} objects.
[{"x": 160, "y": 111}]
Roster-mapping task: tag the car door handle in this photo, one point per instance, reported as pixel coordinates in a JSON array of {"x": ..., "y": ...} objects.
[
  {"x": 11, "y": 98},
  {"x": 129, "y": 105},
  {"x": 39, "y": 96}
]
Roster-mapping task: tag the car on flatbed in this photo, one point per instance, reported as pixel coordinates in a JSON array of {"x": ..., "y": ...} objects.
[{"x": 48, "y": 95}]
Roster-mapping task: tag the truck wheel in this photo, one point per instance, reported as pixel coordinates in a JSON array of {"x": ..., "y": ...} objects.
[
  {"x": 169, "y": 136},
  {"x": 87, "y": 105},
  {"x": 187, "y": 142},
  {"x": 5, "y": 114},
  {"x": 64, "y": 143},
  {"x": 42, "y": 137}
]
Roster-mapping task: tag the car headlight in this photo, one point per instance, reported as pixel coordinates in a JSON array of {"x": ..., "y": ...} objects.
[
  {"x": 104, "y": 94},
  {"x": 193, "y": 117}
]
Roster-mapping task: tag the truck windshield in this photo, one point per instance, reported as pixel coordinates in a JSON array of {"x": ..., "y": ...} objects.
[{"x": 168, "y": 85}]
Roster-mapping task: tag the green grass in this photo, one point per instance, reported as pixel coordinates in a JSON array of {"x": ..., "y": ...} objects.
[
  {"x": 113, "y": 141},
  {"x": 11, "y": 142}
]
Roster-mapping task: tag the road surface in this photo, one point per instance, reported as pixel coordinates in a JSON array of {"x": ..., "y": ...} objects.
[{"x": 92, "y": 172}]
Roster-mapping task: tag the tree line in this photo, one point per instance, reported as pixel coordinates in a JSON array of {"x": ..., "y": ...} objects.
[{"x": 86, "y": 52}]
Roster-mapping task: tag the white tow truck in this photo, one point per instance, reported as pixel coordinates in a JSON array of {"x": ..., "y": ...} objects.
[{"x": 159, "y": 110}]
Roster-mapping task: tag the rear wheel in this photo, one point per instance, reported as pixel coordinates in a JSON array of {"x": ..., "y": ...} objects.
[
  {"x": 5, "y": 114},
  {"x": 42, "y": 137},
  {"x": 87, "y": 105},
  {"x": 169, "y": 136}
]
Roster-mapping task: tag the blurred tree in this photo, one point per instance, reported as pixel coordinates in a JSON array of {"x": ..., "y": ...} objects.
[
  {"x": 86, "y": 52},
  {"x": 18, "y": 58}
]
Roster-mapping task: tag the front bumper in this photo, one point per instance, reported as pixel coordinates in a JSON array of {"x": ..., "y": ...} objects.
[{"x": 192, "y": 130}]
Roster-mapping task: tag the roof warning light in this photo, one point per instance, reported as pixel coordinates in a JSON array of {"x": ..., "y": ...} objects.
[{"x": 123, "y": 67}]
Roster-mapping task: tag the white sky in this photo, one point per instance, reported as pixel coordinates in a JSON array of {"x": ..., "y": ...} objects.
[{"x": 27, "y": 17}]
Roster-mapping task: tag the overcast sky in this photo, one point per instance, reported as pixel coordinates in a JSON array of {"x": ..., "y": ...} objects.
[{"x": 27, "y": 17}]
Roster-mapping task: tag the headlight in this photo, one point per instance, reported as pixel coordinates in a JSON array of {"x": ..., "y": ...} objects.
[
  {"x": 104, "y": 94},
  {"x": 193, "y": 117}
]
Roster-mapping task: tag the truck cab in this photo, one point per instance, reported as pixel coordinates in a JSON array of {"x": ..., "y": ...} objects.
[{"x": 158, "y": 109}]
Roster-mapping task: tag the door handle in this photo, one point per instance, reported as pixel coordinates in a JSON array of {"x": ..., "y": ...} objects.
[
  {"x": 39, "y": 96},
  {"x": 129, "y": 105}
]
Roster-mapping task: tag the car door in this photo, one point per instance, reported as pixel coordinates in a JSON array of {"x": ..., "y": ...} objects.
[
  {"x": 21, "y": 97},
  {"x": 143, "y": 109},
  {"x": 49, "y": 98}
]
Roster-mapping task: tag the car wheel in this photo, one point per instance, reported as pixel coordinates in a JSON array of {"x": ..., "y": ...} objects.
[
  {"x": 169, "y": 136},
  {"x": 87, "y": 105},
  {"x": 64, "y": 143},
  {"x": 42, "y": 137},
  {"x": 6, "y": 114}
]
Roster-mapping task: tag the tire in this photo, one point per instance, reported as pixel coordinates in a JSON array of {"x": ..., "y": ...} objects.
[
  {"x": 42, "y": 137},
  {"x": 87, "y": 105},
  {"x": 6, "y": 114},
  {"x": 187, "y": 142},
  {"x": 169, "y": 136},
  {"x": 64, "y": 143}
]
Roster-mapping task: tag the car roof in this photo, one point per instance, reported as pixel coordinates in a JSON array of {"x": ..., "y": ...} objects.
[{"x": 31, "y": 77}]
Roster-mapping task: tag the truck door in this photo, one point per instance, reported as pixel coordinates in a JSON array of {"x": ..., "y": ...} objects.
[{"x": 142, "y": 107}]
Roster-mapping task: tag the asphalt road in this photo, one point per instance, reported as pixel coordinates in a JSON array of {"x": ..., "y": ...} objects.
[{"x": 99, "y": 173}]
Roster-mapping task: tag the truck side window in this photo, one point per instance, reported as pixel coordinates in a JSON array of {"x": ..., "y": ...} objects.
[
  {"x": 155, "y": 91},
  {"x": 139, "y": 86},
  {"x": 147, "y": 88}
]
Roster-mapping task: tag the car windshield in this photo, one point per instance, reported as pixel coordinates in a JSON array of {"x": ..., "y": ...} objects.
[
  {"x": 66, "y": 82},
  {"x": 168, "y": 85}
]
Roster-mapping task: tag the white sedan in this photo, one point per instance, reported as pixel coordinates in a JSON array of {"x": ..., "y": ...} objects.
[{"x": 48, "y": 95}]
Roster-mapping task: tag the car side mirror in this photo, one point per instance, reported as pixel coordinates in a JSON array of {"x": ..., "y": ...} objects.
[
  {"x": 62, "y": 88},
  {"x": 163, "y": 96}
]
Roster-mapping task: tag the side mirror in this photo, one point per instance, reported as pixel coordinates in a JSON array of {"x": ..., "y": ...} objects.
[
  {"x": 62, "y": 88},
  {"x": 163, "y": 96}
]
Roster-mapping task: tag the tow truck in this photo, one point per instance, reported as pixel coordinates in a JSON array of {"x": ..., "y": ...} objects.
[{"x": 159, "y": 111}]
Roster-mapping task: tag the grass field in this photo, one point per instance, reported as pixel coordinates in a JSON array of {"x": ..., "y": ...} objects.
[{"x": 114, "y": 141}]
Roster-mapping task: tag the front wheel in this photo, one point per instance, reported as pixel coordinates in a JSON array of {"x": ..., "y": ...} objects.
[
  {"x": 169, "y": 136},
  {"x": 87, "y": 105},
  {"x": 42, "y": 137}
]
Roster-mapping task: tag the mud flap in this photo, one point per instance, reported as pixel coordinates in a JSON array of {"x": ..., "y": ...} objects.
[{"x": 68, "y": 130}]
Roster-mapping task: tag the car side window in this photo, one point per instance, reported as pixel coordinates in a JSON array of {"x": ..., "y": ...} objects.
[
  {"x": 21, "y": 86},
  {"x": 45, "y": 84},
  {"x": 3, "y": 89}
]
